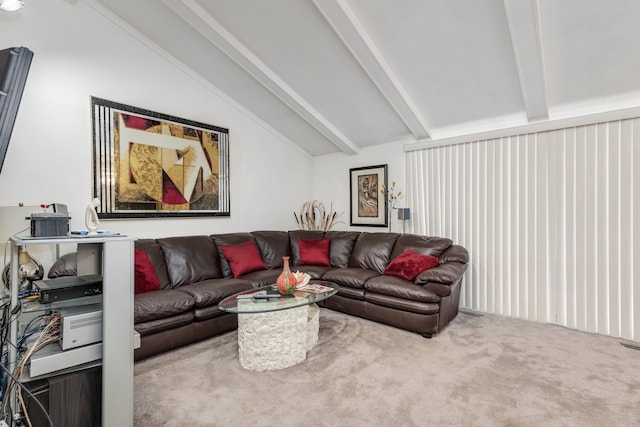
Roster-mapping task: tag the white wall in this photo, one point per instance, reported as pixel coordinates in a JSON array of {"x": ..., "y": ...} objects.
[
  {"x": 331, "y": 179},
  {"x": 79, "y": 53}
]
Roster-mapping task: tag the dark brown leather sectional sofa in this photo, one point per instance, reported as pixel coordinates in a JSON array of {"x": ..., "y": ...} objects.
[{"x": 194, "y": 277}]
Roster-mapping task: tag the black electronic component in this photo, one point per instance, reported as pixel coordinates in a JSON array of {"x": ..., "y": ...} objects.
[{"x": 68, "y": 287}]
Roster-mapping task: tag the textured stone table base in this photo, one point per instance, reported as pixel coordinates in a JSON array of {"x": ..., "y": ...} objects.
[{"x": 277, "y": 339}]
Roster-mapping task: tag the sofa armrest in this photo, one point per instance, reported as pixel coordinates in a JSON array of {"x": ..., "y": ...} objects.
[
  {"x": 455, "y": 253},
  {"x": 441, "y": 278}
]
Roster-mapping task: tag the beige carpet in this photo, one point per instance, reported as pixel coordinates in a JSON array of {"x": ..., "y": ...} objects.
[{"x": 480, "y": 371}]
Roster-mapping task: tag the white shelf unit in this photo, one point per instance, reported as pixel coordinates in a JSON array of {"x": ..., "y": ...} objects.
[{"x": 116, "y": 264}]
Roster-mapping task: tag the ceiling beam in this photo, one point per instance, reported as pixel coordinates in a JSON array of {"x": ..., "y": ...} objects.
[
  {"x": 344, "y": 22},
  {"x": 217, "y": 34},
  {"x": 524, "y": 28}
]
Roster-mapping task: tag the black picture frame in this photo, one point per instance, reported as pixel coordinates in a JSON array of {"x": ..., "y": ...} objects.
[
  {"x": 148, "y": 164},
  {"x": 368, "y": 204}
]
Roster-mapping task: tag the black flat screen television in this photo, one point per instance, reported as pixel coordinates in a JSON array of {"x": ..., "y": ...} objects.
[{"x": 14, "y": 67}]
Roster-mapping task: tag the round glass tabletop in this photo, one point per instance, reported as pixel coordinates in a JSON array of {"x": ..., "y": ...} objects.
[{"x": 268, "y": 298}]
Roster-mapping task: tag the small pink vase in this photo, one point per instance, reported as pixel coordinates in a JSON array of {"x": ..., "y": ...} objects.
[{"x": 286, "y": 280}]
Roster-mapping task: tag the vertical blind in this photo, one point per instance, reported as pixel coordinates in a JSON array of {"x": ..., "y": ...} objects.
[{"x": 551, "y": 221}]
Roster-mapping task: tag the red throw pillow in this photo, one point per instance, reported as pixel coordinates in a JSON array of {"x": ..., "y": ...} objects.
[
  {"x": 146, "y": 278},
  {"x": 409, "y": 264},
  {"x": 314, "y": 252},
  {"x": 243, "y": 258}
]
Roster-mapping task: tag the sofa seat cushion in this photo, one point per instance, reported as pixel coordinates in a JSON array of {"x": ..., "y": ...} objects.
[
  {"x": 315, "y": 271},
  {"x": 351, "y": 277},
  {"x": 159, "y": 325},
  {"x": 402, "y": 304},
  {"x": 262, "y": 277},
  {"x": 161, "y": 304},
  {"x": 400, "y": 288},
  {"x": 211, "y": 292},
  {"x": 352, "y": 293},
  {"x": 204, "y": 313}
]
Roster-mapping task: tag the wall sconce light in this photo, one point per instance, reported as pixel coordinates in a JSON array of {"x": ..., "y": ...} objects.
[
  {"x": 404, "y": 214},
  {"x": 11, "y": 5}
]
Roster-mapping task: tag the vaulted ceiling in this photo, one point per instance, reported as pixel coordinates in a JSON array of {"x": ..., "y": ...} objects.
[{"x": 341, "y": 75}]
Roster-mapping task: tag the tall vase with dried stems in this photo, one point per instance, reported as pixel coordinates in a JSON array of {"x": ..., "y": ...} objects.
[{"x": 314, "y": 216}]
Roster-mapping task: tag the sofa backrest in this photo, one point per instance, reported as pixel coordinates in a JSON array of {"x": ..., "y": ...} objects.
[
  {"x": 226, "y": 239},
  {"x": 190, "y": 259},
  {"x": 273, "y": 245},
  {"x": 295, "y": 235},
  {"x": 423, "y": 245},
  {"x": 341, "y": 247},
  {"x": 372, "y": 251},
  {"x": 156, "y": 257}
]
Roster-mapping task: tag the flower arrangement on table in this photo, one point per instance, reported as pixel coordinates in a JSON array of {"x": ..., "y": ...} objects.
[{"x": 302, "y": 279}]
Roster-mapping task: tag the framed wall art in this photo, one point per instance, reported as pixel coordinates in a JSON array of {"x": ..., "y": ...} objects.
[
  {"x": 368, "y": 204},
  {"x": 148, "y": 164}
]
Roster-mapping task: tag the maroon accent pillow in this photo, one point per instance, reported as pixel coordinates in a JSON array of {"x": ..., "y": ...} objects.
[
  {"x": 145, "y": 276},
  {"x": 409, "y": 264},
  {"x": 243, "y": 258},
  {"x": 314, "y": 252}
]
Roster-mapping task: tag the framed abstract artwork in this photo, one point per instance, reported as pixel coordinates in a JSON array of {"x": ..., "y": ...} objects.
[
  {"x": 148, "y": 164},
  {"x": 368, "y": 204}
]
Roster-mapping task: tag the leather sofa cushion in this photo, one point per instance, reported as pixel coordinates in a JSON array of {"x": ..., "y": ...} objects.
[
  {"x": 156, "y": 256},
  {"x": 211, "y": 292},
  {"x": 243, "y": 258},
  {"x": 372, "y": 251},
  {"x": 314, "y": 252},
  {"x": 160, "y": 304},
  {"x": 409, "y": 264},
  {"x": 400, "y": 288},
  {"x": 273, "y": 246},
  {"x": 66, "y": 265},
  {"x": 353, "y": 293},
  {"x": 295, "y": 235},
  {"x": 315, "y": 271},
  {"x": 190, "y": 259},
  {"x": 158, "y": 325},
  {"x": 341, "y": 246},
  {"x": 351, "y": 277},
  {"x": 225, "y": 240},
  {"x": 442, "y": 277},
  {"x": 402, "y": 304},
  {"x": 204, "y": 313},
  {"x": 145, "y": 278},
  {"x": 262, "y": 277},
  {"x": 424, "y": 245},
  {"x": 455, "y": 253}
]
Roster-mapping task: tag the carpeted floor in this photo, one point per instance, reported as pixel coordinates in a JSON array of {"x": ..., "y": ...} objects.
[{"x": 480, "y": 371}]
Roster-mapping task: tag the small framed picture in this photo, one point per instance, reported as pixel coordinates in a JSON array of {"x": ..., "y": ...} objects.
[{"x": 368, "y": 203}]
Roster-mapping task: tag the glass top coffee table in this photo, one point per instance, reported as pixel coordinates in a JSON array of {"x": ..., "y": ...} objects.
[{"x": 276, "y": 331}]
